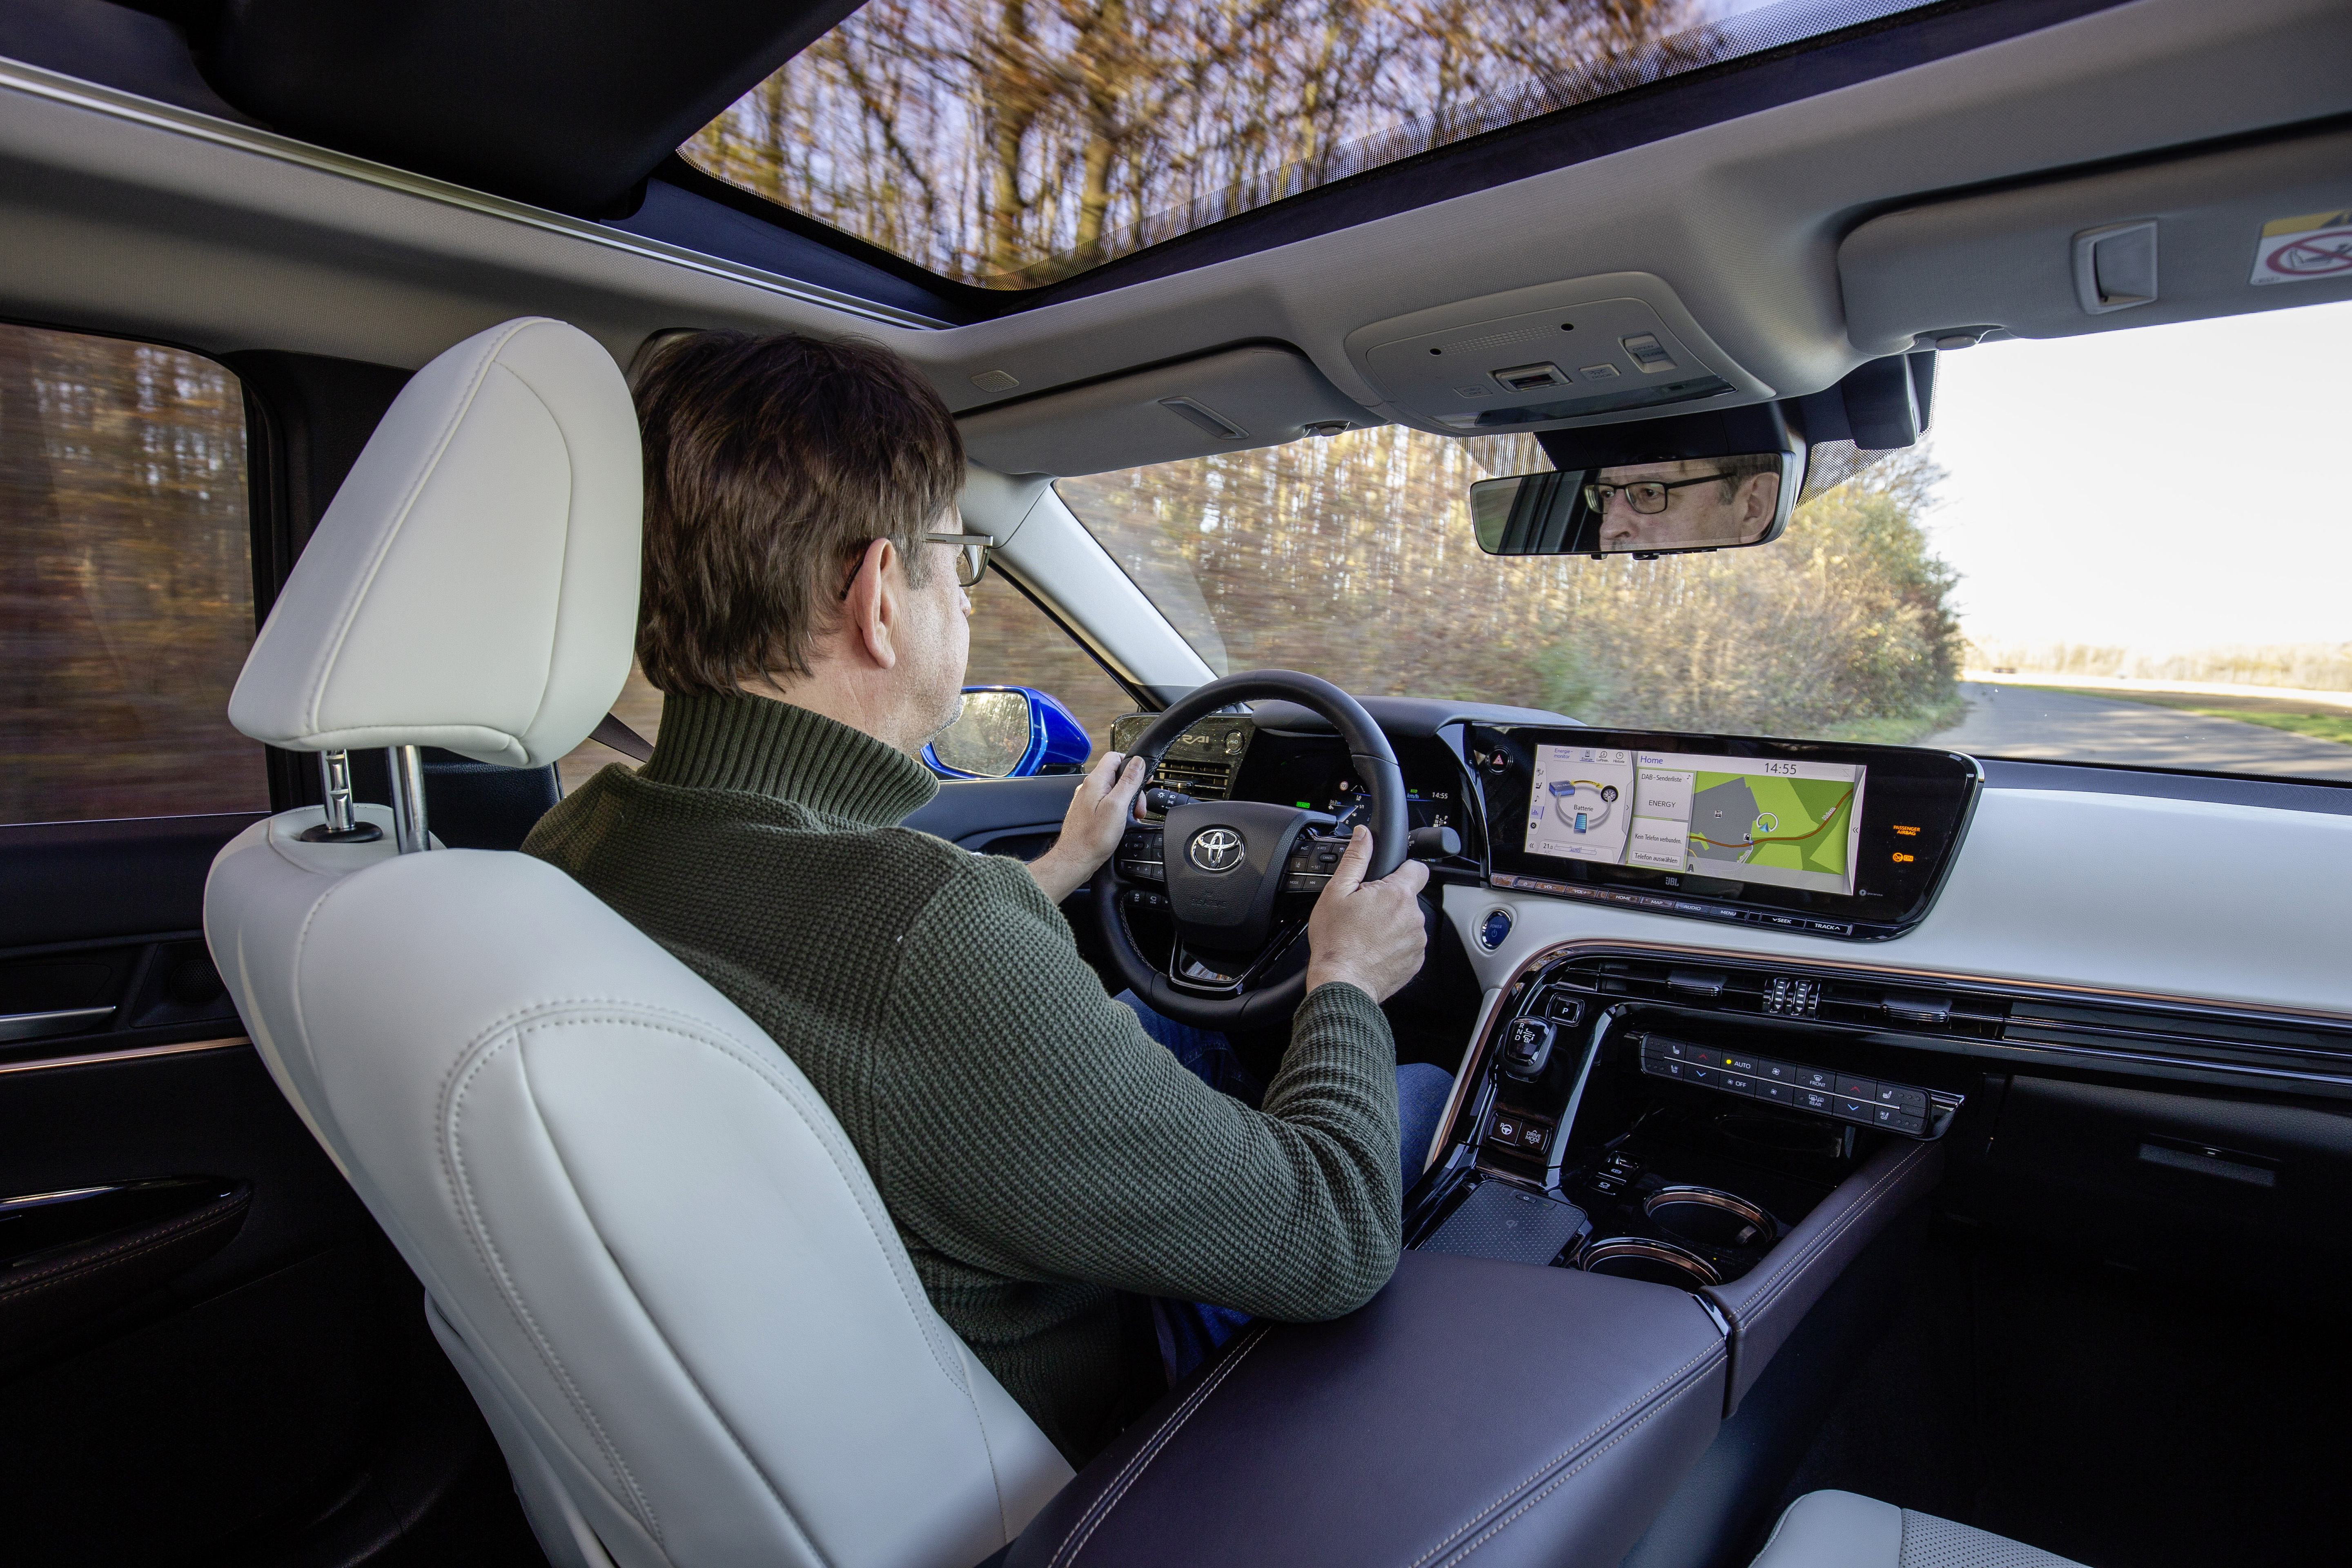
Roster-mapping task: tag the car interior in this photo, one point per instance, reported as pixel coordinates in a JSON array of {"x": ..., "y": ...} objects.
[{"x": 1960, "y": 1181}]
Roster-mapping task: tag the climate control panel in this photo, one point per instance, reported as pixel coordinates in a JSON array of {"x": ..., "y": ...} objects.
[{"x": 1868, "y": 1102}]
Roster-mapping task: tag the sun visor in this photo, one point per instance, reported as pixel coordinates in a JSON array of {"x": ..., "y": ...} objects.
[
  {"x": 2252, "y": 228},
  {"x": 1262, "y": 396}
]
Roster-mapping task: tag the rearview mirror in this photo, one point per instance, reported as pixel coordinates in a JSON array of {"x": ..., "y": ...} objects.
[
  {"x": 1641, "y": 509},
  {"x": 1009, "y": 732}
]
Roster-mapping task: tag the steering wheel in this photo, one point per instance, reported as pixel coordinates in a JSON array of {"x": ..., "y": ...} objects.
[{"x": 1237, "y": 877}]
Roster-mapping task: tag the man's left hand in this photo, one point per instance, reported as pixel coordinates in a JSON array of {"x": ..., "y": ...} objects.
[{"x": 1098, "y": 815}]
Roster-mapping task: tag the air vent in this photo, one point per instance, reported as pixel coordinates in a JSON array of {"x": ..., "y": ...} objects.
[
  {"x": 2154, "y": 1032},
  {"x": 2201, "y": 1036},
  {"x": 1767, "y": 992}
]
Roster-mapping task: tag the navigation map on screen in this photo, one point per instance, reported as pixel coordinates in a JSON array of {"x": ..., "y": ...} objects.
[{"x": 1790, "y": 824}]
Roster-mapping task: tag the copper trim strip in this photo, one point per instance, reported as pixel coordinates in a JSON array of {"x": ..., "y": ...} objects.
[{"x": 135, "y": 1053}]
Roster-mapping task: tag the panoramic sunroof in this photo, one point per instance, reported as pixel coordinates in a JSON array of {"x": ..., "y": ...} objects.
[{"x": 1011, "y": 143}]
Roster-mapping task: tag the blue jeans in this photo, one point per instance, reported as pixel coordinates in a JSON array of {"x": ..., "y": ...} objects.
[{"x": 1191, "y": 1330}]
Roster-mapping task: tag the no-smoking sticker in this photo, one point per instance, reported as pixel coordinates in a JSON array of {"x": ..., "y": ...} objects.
[{"x": 2303, "y": 250}]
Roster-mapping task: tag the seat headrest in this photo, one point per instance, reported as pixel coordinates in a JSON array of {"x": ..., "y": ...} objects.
[{"x": 474, "y": 584}]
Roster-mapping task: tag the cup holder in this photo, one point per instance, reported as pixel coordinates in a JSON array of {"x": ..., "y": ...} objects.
[
  {"x": 1640, "y": 1258},
  {"x": 1709, "y": 1217}
]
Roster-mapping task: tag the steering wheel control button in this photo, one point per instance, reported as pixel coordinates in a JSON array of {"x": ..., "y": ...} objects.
[
  {"x": 1495, "y": 930},
  {"x": 1507, "y": 1130}
]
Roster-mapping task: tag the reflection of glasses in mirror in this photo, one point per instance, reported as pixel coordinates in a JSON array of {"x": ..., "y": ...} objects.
[{"x": 1648, "y": 497}]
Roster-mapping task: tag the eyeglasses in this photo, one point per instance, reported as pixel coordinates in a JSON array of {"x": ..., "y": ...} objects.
[
  {"x": 1647, "y": 497},
  {"x": 971, "y": 558},
  {"x": 972, "y": 554}
]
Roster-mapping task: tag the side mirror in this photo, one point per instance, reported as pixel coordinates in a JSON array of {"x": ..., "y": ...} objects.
[{"x": 1009, "y": 732}]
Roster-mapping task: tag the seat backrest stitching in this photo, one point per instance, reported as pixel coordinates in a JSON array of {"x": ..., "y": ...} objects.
[
  {"x": 731, "y": 1049},
  {"x": 686, "y": 1371},
  {"x": 454, "y": 1170}
]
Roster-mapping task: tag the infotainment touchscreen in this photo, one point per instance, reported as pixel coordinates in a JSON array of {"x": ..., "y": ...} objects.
[
  {"x": 1824, "y": 837},
  {"x": 1789, "y": 824}
]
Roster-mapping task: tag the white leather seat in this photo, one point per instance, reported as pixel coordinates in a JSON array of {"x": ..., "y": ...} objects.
[
  {"x": 645, "y": 1242},
  {"x": 1841, "y": 1530}
]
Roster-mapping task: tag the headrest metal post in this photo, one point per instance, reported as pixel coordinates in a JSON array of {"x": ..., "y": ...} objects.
[
  {"x": 408, "y": 827},
  {"x": 342, "y": 824}
]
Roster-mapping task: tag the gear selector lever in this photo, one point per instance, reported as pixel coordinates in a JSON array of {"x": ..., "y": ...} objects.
[{"x": 1526, "y": 1047}]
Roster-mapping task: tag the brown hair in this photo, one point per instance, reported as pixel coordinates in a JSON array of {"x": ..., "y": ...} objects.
[
  {"x": 1743, "y": 466},
  {"x": 769, "y": 462}
]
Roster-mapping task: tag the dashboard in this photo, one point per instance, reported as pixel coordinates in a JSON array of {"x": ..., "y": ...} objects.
[
  {"x": 1848, "y": 842},
  {"x": 2051, "y": 887}
]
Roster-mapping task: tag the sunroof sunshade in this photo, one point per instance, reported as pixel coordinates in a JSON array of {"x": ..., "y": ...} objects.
[{"x": 1011, "y": 143}]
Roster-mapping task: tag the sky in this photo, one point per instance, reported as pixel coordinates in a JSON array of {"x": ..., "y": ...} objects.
[{"x": 2163, "y": 488}]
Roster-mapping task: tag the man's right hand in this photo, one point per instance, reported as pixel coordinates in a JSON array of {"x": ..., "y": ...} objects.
[{"x": 1368, "y": 933}]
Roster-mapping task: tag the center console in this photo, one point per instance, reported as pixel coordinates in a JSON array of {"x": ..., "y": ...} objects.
[{"x": 1711, "y": 1133}]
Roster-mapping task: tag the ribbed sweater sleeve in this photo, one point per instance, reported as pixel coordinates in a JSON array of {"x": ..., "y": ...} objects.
[{"x": 1047, "y": 1136}]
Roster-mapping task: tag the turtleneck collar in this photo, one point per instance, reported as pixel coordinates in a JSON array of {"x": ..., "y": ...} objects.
[{"x": 772, "y": 748}]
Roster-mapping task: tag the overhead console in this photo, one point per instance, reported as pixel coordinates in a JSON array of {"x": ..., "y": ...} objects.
[
  {"x": 1832, "y": 840},
  {"x": 1591, "y": 350}
]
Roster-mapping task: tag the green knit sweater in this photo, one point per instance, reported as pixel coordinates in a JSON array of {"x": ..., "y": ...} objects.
[{"x": 1038, "y": 1151}]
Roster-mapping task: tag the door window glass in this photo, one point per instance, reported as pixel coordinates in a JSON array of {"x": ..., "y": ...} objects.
[
  {"x": 1014, "y": 643},
  {"x": 126, "y": 582}
]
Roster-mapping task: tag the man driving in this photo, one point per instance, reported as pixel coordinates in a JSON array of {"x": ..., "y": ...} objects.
[
  {"x": 1048, "y": 1161},
  {"x": 1687, "y": 503}
]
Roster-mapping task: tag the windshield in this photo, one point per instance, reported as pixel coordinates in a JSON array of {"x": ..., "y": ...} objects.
[
  {"x": 1014, "y": 143},
  {"x": 2068, "y": 568}
]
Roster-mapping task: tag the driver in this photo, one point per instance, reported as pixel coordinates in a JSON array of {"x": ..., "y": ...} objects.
[
  {"x": 1686, "y": 502},
  {"x": 1087, "y": 1213}
]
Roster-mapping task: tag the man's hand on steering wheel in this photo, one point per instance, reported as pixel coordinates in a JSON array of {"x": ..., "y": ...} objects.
[
  {"x": 1369, "y": 934},
  {"x": 1097, "y": 816}
]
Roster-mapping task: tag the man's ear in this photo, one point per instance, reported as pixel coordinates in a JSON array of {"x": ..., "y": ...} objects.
[{"x": 871, "y": 612}]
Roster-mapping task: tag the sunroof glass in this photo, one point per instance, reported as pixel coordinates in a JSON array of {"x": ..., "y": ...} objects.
[{"x": 1014, "y": 143}]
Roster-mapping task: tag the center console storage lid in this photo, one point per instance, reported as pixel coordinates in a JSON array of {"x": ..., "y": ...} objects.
[{"x": 1531, "y": 1416}]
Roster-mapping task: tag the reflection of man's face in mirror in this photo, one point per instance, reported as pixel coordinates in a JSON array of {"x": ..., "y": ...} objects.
[{"x": 1678, "y": 505}]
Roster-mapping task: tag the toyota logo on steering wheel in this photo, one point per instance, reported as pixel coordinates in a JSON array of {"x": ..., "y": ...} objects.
[{"x": 1216, "y": 849}]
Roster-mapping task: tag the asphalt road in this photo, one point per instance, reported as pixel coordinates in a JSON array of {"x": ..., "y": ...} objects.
[{"x": 2035, "y": 722}]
